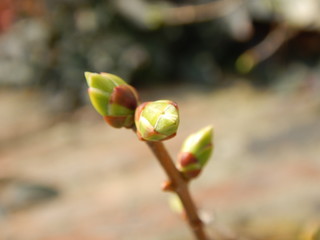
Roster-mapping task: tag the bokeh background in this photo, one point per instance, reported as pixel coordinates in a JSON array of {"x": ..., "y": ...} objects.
[{"x": 250, "y": 68}]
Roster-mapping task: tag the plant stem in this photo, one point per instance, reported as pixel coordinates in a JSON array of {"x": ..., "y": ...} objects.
[{"x": 180, "y": 186}]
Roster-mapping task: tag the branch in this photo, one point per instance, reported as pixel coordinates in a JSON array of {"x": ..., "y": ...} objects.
[
  {"x": 180, "y": 186},
  {"x": 152, "y": 15},
  {"x": 200, "y": 12},
  {"x": 117, "y": 102},
  {"x": 265, "y": 49}
]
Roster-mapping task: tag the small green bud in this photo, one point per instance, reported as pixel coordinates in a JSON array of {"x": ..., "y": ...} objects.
[
  {"x": 157, "y": 121},
  {"x": 195, "y": 152},
  {"x": 112, "y": 98},
  {"x": 176, "y": 204}
]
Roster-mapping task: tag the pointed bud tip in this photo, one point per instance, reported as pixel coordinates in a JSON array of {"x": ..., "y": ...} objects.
[
  {"x": 207, "y": 131},
  {"x": 88, "y": 76},
  {"x": 198, "y": 140}
]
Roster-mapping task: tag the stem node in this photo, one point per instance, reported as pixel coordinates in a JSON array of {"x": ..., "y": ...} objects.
[{"x": 167, "y": 186}]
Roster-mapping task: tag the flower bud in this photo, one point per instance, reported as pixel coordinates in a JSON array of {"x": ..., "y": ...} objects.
[
  {"x": 195, "y": 152},
  {"x": 157, "y": 121},
  {"x": 112, "y": 98}
]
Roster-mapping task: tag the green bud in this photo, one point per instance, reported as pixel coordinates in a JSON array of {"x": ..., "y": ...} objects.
[
  {"x": 112, "y": 98},
  {"x": 195, "y": 152},
  {"x": 157, "y": 121}
]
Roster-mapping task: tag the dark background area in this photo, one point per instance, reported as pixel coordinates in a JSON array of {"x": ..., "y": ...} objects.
[{"x": 49, "y": 44}]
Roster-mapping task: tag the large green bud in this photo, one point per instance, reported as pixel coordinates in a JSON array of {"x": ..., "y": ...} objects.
[
  {"x": 195, "y": 152},
  {"x": 112, "y": 98},
  {"x": 157, "y": 121}
]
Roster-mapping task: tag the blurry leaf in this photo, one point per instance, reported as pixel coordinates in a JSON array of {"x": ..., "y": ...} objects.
[{"x": 175, "y": 204}]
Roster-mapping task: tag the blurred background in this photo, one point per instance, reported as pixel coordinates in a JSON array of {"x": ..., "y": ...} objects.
[{"x": 250, "y": 68}]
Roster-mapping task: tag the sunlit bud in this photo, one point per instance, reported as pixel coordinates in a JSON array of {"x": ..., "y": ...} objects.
[
  {"x": 112, "y": 98},
  {"x": 195, "y": 152},
  {"x": 157, "y": 121}
]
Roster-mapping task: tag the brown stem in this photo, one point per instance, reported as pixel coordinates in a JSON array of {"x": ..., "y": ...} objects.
[
  {"x": 180, "y": 187},
  {"x": 139, "y": 11},
  {"x": 194, "y": 13}
]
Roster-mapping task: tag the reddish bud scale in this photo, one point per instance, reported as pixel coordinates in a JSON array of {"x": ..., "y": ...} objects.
[
  {"x": 192, "y": 174},
  {"x": 124, "y": 95},
  {"x": 112, "y": 98},
  {"x": 137, "y": 115},
  {"x": 187, "y": 159},
  {"x": 116, "y": 121},
  {"x": 139, "y": 110}
]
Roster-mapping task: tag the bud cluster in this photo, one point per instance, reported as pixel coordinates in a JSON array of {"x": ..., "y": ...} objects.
[{"x": 154, "y": 121}]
